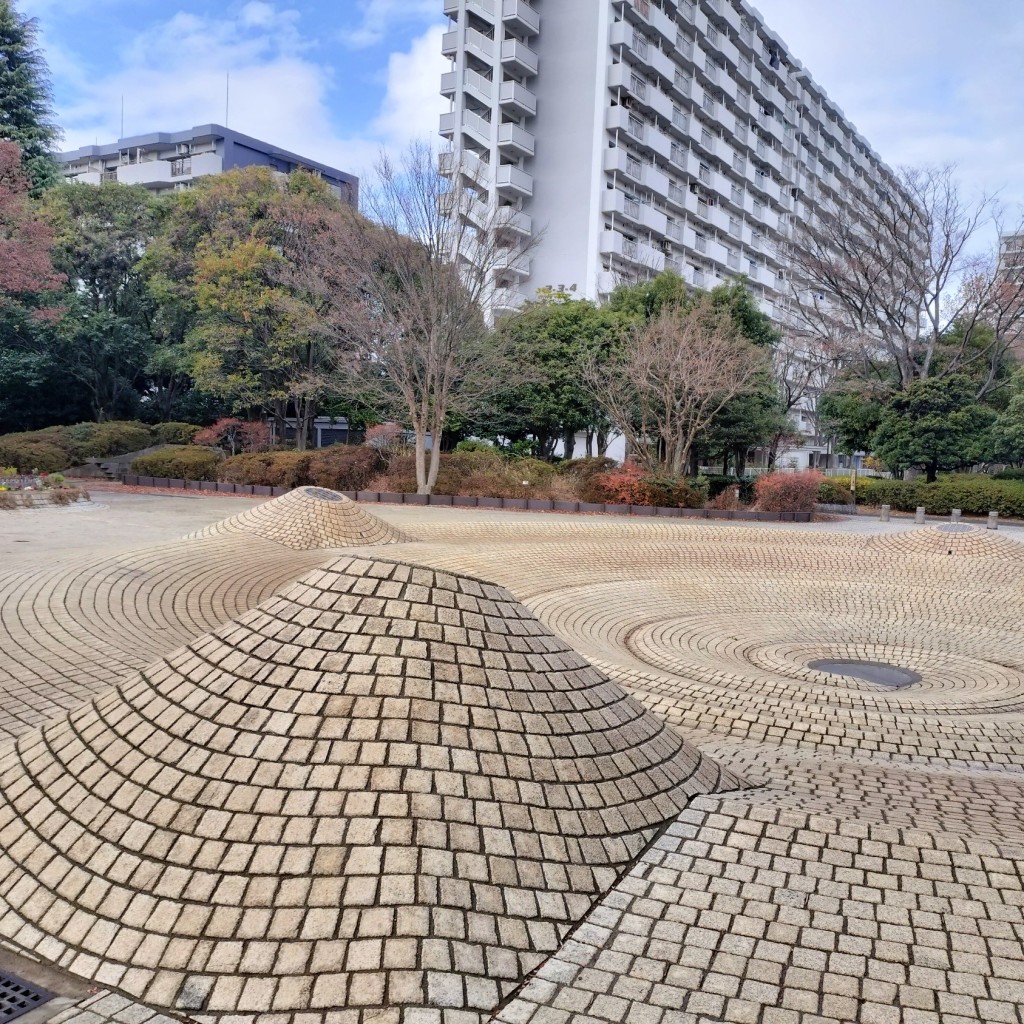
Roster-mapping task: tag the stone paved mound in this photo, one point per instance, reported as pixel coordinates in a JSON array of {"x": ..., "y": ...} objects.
[
  {"x": 385, "y": 789},
  {"x": 307, "y": 518},
  {"x": 958, "y": 539}
]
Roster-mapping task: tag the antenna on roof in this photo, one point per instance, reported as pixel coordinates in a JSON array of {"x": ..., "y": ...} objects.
[{"x": 227, "y": 96}]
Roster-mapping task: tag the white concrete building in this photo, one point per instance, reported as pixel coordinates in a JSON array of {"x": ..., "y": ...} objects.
[{"x": 633, "y": 135}]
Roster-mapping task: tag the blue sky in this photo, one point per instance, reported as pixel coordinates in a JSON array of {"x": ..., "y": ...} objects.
[{"x": 927, "y": 81}]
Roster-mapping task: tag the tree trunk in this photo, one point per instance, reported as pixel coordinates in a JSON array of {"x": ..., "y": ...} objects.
[
  {"x": 590, "y": 442},
  {"x": 741, "y": 462},
  {"x": 568, "y": 444},
  {"x": 602, "y": 444},
  {"x": 422, "y": 487},
  {"x": 436, "y": 436},
  {"x": 933, "y": 472}
]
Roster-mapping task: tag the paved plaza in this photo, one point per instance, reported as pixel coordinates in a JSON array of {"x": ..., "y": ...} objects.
[{"x": 308, "y": 762}]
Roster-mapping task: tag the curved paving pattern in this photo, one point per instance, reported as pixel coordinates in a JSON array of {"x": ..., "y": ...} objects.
[
  {"x": 385, "y": 786},
  {"x": 874, "y": 874}
]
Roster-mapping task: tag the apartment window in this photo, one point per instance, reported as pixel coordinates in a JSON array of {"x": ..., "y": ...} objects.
[
  {"x": 698, "y": 277},
  {"x": 684, "y": 83},
  {"x": 753, "y": 270},
  {"x": 703, "y": 210},
  {"x": 638, "y": 86},
  {"x": 635, "y": 127},
  {"x": 743, "y": 100},
  {"x": 684, "y": 44},
  {"x": 640, "y": 45},
  {"x": 705, "y": 174},
  {"x": 734, "y": 227},
  {"x": 633, "y": 167},
  {"x": 739, "y": 164},
  {"x": 643, "y": 8},
  {"x": 631, "y": 207},
  {"x": 744, "y": 68},
  {"x": 629, "y": 248},
  {"x": 678, "y": 154},
  {"x": 706, "y": 139},
  {"x": 711, "y": 69},
  {"x": 712, "y": 35},
  {"x": 709, "y": 104},
  {"x": 737, "y": 195},
  {"x": 181, "y": 167},
  {"x": 755, "y": 239},
  {"x": 758, "y": 209},
  {"x": 680, "y": 119},
  {"x": 733, "y": 259}
]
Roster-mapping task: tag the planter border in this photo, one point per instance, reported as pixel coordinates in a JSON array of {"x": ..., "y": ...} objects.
[{"x": 467, "y": 501}]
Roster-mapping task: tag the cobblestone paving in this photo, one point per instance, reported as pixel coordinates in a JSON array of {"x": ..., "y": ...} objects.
[{"x": 873, "y": 874}]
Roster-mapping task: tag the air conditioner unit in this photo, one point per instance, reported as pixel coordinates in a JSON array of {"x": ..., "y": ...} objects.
[
  {"x": 694, "y": 188},
  {"x": 666, "y": 247}
]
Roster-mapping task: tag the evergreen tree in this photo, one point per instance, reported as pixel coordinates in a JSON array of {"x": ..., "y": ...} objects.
[{"x": 26, "y": 98}]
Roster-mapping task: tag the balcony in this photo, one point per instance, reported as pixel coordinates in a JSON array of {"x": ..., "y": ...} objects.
[
  {"x": 520, "y": 17},
  {"x": 507, "y": 300},
  {"x": 514, "y": 180},
  {"x": 478, "y": 86},
  {"x": 517, "y": 99},
  {"x": 518, "y": 57},
  {"x": 450, "y": 44},
  {"x": 508, "y": 218},
  {"x": 516, "y": 139},
  {"x": 511, "y": 261},
  {"x": 467, "y": 165},
  {"x": 485, "y": 9},
  {"x": 449, "y": 84},
  {"x": 480, "y": 46}
]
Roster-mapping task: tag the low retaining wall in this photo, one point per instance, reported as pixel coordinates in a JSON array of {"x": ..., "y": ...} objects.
[{"x": 459, "y": 501}]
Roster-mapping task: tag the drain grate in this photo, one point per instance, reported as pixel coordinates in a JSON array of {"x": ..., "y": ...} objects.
[{"x": 18, "y": 997}]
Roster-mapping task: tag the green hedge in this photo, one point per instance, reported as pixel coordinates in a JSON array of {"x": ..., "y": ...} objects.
[
  {"x": 339, "y": 467},
  {"x": 1009, "y": 474},
  {"x": 716, "y": 484},
  {"x": 181, "y": 462},
  {"x": 972, "y": 494},
  {"x": 55, "y": 448}
]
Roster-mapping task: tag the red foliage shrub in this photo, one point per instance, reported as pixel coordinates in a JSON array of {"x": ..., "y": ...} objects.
[
  {"x": 267, "y": 469},
  {"x": 234, "y": 435},
  {"x": 629, "y": 485},
  {"x": 788, "y": 492}
]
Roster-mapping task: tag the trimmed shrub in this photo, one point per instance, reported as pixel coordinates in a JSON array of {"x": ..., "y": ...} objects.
[
  {"x": 267, "y": 469},
  {"x": 1009, "y": 474},
  {"x": 835, "y": 491},
  {"x": 587, "y": 467},
  {"x": 972, "y": 494},
  {"x": 104, "y": 440},
  {"x": 345, "y": 467},
  {"x": 717, "y": 484},
  {"x": 181, "y": 462},
  {"x": 174, "y": 433},
  {"x": 27, "y": 455},
  {"x": 787, "y": 492}
]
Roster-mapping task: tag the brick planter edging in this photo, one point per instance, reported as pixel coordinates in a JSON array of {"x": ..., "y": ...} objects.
[{"x": 464, "y": 501}]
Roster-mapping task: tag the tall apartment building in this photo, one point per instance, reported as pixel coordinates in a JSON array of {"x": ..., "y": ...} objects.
[
  {"x": 168, "y": 160},
  {"x": 635, "y": 135},
  {"x": 1011, "y": 270}
]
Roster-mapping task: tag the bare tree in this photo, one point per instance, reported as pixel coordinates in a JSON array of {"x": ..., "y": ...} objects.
[
  {"x": 806, "y": 367},
  {"x": 670, "y": 379},
  {"x": 429, "y": 257},
  {"x": 889, "y": 274}
]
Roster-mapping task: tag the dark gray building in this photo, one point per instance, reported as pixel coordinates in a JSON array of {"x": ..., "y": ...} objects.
[{"x": 167, "y": 160}]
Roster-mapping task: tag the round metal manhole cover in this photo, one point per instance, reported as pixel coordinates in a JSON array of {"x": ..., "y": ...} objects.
[
  {"x": 955, "y": 528},
  {"x": 322, "y": 494},
  {"x": 877, "y": 672}
]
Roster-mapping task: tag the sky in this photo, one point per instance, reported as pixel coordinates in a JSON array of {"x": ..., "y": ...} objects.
[{"x": 925, "y": 81}]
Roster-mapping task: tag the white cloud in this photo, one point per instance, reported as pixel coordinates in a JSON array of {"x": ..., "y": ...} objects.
[
  {"x": 381, "y": 16},
  {"x": 279, "y": 91}
]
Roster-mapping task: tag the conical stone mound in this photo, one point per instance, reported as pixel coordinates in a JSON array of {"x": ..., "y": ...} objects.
[
  {"x": 958, "y": 539},
  {"x": 383, "y": 790},
  {"x": 307, "y": 518}
]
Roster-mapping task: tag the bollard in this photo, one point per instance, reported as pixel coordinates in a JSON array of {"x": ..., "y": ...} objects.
[
  {"x": 993, "y": 520},
  {"x": 884, "y": 517},
  {"x": 919, "y": 515},
  {"x": 955, "y": 516}
]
